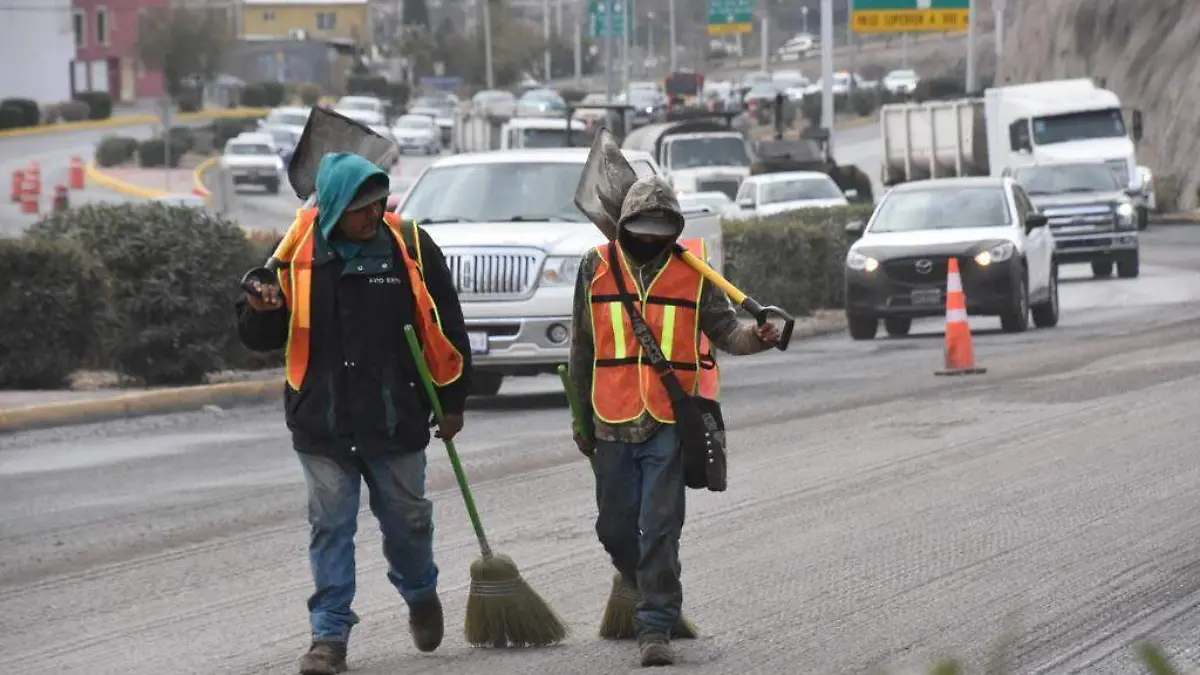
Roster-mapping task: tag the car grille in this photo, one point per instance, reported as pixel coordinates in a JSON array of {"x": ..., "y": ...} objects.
[
  {"x": 1080, "y": 219},
  {"x": 904, "y": 270},
  {"x": 727, "y": 185},
  {"x": 494, "y": 273}
]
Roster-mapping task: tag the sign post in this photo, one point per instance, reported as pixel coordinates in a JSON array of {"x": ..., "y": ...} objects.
[
  {"x": 599, "y": 22},
  {"x": 731, "y": 17},
  {"x": 910, "y": 16}
]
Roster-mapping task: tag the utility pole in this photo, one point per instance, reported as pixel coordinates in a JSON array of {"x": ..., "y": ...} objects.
[
  {"x": 764, "y": 38},
  {"x": 627, "y": 62},
  {"x": 578, "y": 55},
  {"x": 546, "y": 39},
  {"x": 671, "y": 11},
  {"x": 998, "y": 7},
  {"x": 972, "y": 80},
  {"x": 827, "y": 68},
  {"x": 609, "y": 47},
  {"x": 487, "y": 44}
]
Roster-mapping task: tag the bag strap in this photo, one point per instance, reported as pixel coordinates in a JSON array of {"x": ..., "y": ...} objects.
[{"x": 644, "y": 334}]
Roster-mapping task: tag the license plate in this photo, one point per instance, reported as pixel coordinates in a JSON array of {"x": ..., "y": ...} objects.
[
  {"x": 926, "y": 296},
  {"x": 479, "y": 342}
]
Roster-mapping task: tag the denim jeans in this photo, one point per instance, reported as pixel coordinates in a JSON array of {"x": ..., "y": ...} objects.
[
  {"x": 641, "y": 494},
  {"x": 396, "y": 485}
]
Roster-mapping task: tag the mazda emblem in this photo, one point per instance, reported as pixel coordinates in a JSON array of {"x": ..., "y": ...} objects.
[{"x": 924, "y": 266}]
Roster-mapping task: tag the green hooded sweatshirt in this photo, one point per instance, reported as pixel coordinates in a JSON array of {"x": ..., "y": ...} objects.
[{"x": 339, "y": 177}]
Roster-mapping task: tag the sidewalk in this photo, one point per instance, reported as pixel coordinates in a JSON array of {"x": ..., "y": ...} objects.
[{"x": 173, "y": 181}]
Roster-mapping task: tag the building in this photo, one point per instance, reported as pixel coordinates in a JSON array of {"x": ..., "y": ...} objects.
[
  {"x": 37, "y": 48},
  {"x": 106, "y": 37},
  {"x": 318, "y": 19}
]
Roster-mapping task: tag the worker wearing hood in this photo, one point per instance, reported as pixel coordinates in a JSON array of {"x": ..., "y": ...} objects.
[
  {"x": 632, "y": 436},
  {"x": 353, "y": 278}
]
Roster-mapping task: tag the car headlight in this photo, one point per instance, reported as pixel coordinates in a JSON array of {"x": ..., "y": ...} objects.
[
  {"x": 1126, "y": 215},
  {"x": 858, "y": 261},
  {"x": 561, "y": 270},
  {"x": 996, "y": 254}
]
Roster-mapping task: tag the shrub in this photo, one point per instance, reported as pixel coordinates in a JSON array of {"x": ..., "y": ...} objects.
[
  {"x": 273, "y": 94},
  {"x": 31, "y": 116},
  {"x": 572, "y": 95},
  {"x": 51, "y": 307},
  {"x": 190, "y": 100},
  {"x": 11, "y": 118},
  {"x": 115, "y": 150},
  {"x": 795, "y": 260},
  {"x": 253, "y": 96},
  {"x": 99, "y": 104},
  {"x": 153, "y": 153},
  {"x": 73, "y": 111},
  {"x": 225, "y": 128},
  {"x": 183, "y": 137},
  {"x": 173, "y": 275},
  {"x": 309, "y": 94}
]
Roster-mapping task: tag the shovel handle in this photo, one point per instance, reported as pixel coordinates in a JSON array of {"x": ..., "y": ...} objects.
[{"x": 761, "y": 314}]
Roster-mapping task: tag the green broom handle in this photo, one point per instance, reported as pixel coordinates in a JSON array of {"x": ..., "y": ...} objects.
[
  {"x": 576, "y": 406},
  {"x": 419, "y": 357}
]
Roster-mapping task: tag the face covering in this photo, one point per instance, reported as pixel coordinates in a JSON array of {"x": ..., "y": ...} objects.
[{"x": 642, "y": 251}]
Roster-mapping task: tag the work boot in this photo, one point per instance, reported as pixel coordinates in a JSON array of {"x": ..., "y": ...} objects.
[
  {"x": 324, "y": 657},
  {"x": 655, "y": 650},
  {"x": 426, "y": 623}
]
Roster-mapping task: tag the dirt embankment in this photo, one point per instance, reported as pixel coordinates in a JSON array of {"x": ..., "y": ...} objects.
[{"x": 1147, "y": 50}]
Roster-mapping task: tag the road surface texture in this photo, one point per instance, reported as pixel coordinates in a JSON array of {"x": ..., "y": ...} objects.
[{"x": 877, "y": 514}]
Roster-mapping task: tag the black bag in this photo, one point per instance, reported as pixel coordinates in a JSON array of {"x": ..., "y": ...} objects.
[{"x": 698, "y": 420}]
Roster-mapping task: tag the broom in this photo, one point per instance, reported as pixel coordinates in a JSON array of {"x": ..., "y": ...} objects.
[
  {"x": 502, "y": 609},
  {"x": 617, "y": 621}
]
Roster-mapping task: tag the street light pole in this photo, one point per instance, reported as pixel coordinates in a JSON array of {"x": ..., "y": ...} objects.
[
  {"x": 671, "y": 11},
  {"x": 487, "y": 44},
  {"x": 609, "y": 47},
  {"x": 971, "y": 39},
  {"x": 546, "y": 39},
  {"x": 827, "y": 68}
]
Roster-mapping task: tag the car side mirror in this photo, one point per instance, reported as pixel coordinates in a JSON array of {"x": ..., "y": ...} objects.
[
  {"x": 747, "y": 204},
  {"x": 854, "y": 229},
  {"x": 1034, "y": 221},
  {"x": 1018, "y": 136},
  {"x": 1137, "y": 125}
]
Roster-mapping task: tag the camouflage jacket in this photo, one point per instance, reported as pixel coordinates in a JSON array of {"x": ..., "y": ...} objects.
[{"x": 718, "y": 320}]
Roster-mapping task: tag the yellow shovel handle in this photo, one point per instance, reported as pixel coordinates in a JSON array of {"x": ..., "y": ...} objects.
[{"x": 712, "y": 275}]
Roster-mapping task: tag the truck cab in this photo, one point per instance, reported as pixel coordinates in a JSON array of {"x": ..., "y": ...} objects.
[
  {"x": 475, "y": 132},
  {"x": 513, "y": 240},
  {"x": 704, "y": 154},
  {"x": 1064, "y": 121}
]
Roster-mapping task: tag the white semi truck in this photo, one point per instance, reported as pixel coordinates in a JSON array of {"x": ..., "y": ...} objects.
[{"x": 1011, "y": 127}]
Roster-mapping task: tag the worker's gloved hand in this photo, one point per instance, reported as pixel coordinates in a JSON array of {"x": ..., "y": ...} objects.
[
  {"x": 768, "y": 333},
  {"x": 587, "y": 447},
  {"x": 272, "y": 297},
  {"x": 450, "y": 426}
]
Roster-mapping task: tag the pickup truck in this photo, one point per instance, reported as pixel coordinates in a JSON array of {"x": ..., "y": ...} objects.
[{"x": 513, "y": 240}]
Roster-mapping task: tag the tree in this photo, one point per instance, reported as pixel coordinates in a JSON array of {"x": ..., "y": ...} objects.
[{"x": 185, "y": 45}]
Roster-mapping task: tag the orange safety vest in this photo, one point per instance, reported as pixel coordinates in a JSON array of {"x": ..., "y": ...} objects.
[
  {"x": 623, "y": 385},
  {"x": 295, "y": 278}
]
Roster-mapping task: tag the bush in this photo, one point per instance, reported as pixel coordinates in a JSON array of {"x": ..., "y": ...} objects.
[
  {"x": 795, "y": 260},
  {"x": 190, "y": 100},
  {"x": 253, "y": 96},
  {"x": 31, "y": 115},
  {"x": 572, "y": 95},
  {"x": 153, "y": 153},
  {"x": 51, "y": 308},
  {"x": 309, "y": 94},
  {"x": 11, "y": 118},
  {"x": 73, "y": 111},
  {"x": 173, "y": 275},
  {"x": 99, "y": 104},
  {"x": 273, "y": 94},
  {"x": 225, "y": 128},
  {"x": 115, "y": 150},
  {"x": 183, "y": 137}
]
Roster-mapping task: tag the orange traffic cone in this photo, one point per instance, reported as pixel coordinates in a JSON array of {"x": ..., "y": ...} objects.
[{"x": 960, "y": 353}]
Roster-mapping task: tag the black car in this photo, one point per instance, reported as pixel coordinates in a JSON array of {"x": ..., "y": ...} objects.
[{"x": 897, "y": 270}]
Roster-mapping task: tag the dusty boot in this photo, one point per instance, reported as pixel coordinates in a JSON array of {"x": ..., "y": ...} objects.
[
  {"x": 427, "y": 625},
  {"x": 655, "y": 650},
  {"x": 324, "y": 657}
]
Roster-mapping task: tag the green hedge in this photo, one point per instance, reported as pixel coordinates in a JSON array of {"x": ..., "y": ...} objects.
[
  {"x": 795, "y": 260},
  {"x": 99, "y": 104},
  {"x": 30, "y": 113},
  {"x": 171, "y": 278},
  {"x": 115, "y": 150}
]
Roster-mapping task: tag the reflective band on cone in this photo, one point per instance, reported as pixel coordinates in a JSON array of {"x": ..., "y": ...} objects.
[{"x": 960, "y": 352}]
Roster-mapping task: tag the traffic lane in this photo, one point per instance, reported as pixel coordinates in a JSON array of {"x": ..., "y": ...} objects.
[
  {"x": 910, "y": 512},
  {"x": 257, "y": 210}
]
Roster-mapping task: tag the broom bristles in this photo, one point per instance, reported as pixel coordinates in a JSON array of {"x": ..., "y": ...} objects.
[
  {"x": 617, "y": 621},
  {"x": 503, "y": 610}
]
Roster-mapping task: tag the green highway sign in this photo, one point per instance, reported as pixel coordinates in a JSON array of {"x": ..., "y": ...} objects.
[
  {"x": 726, "y": 17},
  {"x": 905, "y": 16},
  {"x": 598, "y": 21}
]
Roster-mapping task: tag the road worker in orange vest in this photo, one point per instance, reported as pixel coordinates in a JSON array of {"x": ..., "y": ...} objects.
[
  {"x": 353, "y": 277},
  {"x": 639, "y": 467}
]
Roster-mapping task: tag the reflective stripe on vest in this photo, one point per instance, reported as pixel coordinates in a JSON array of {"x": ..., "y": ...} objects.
[
  {"x": 295, "y": 278},
  {"x": 624, "y": 385}
]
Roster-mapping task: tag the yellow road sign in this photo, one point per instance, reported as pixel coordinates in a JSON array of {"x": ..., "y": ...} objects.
[
  {"x": 911, "y": 20},
  {"x": 730, "y": 28}
]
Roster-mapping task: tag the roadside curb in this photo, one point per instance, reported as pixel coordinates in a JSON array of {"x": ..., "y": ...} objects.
[
  {"x": 198, "y": 186},
  {"x": 95, "y": 175},
  {"x": 161, "y": 402},
  {"x": 132, "y": 120},
  {"x": 1175, "y": 219}
]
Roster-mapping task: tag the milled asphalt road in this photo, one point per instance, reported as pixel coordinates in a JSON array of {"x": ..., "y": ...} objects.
[{"x": 877, "y": 514}]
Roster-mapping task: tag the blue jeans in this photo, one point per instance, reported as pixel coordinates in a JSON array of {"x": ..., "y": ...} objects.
[
  {"x": 396, "y": 485},
  {"x": 641, "y": 494}
]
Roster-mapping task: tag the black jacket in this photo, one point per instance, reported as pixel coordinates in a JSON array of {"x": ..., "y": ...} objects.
[{"x": 362, "y": 393}]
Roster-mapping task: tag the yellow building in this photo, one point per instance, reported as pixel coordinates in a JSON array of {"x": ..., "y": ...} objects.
[{"x": 319, "y": 19}]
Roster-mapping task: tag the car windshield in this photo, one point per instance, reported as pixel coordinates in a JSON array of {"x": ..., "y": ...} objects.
[
  {"x": 942, "y": 209},
  {"x": 1078, "y": 126},
  {"x": 551, "y": 138},
  {"x": 284, "y": 137},
  {"x": 293, "y": 119},
  {"x": 413, "y": 122},
  {"x": 691, "y": 153},
  {"x": 248, "y": 149},
  {"x": 1049, "y": 180},
  {"x": 804, "y": 189},
  {"x": 503, "y": 191},
  {"x": 690, "y": 202}
]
